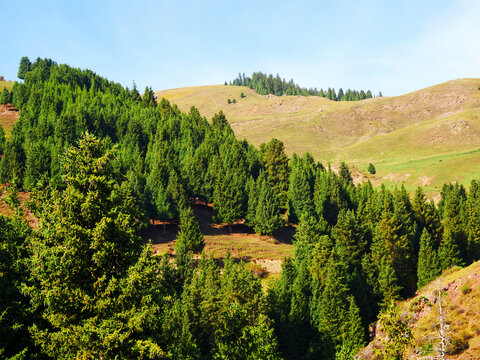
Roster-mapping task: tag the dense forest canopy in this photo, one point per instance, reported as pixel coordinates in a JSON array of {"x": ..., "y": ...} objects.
[
  {"x": 100, "y": 160},
  {"x": 265, "y": 84}
]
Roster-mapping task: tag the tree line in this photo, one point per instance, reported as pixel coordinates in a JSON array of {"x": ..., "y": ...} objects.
[
  {"x": 100, "y": 160},
  {"x": 265, "y": 84}
]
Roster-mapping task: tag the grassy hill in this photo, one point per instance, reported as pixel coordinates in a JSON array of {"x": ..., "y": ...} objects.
[
  {"x": 460, "y": 301},
  {"x": 424, "y": 138},
  {"x": 7, "y": 84},
  {"x": 8, "y": 115}
]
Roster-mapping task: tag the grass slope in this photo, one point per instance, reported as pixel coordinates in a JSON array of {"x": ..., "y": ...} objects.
[
  {"x": 8, "y": 116},
  {"x": 263, "y": 253},
  {"x": 460, "y": 300},
  {"x": 7, "y": 84},
  {"x": 424, "y": 138}
]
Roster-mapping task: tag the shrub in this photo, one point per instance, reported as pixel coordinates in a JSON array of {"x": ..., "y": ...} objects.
[
  {"x": 466, "y": 289},
  {"x": 371, "y": 169},
  {"x": 242, "y": 95},
  {"x": 229, "y": 101}
]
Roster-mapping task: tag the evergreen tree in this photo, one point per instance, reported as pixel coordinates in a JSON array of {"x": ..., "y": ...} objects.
[
  {"x": 25, "y": 66},
  {"x": 190, "y": 233},
  {"x": 449, "y": 252},
  {"x": 16, "y": 315},
  {"x": 428, "y": 265},
  {"x": 345, "y": 174},
  {"x": 473, "y": 215},
  {"x": 253, "y": 194},
  {"x": 276, "y": 167},
  {"x": 149, "y": 97},
  {"x": 371, "y": 169},
  {"x": 300, "y": 192},
  {"x": 267, "y": 216},
  {"x": 99, "y": 292},
  {"x": 5, "y": 96},
  {"x": 399, "y": 335},
  {"x": 329, "y": 308},
  {"x": 227, "y": 200},
  {"x": 353, "y": 333},
  {"x": 349, "y": 239},
  {"x": 2, "y": 140}
]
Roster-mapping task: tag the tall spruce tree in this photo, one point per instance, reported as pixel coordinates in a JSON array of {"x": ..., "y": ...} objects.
[
  {"x": 276, "y": 167},
  {"x": 449, "y": 252},
  {"x": 428, "y": 264},
  {"x": 190, "y": 233},
  {"x": 25, "y": 66},
  {"x": 99, "y": 292},
  {"x": 268, "y": 217},
  {"x": 227, "y": 200},
  {"x": 2, "y": 140}
]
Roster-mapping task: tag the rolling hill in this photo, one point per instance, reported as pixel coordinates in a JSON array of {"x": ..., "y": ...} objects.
[{"x": 424, "y": 138}]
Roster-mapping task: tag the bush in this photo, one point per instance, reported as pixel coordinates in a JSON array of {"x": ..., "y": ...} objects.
[
  {"x": 242, "y": 95},
  {"x": 229, "y": 101},
  {"x": 234, "y": 101},
  {"x": 371, "y": 169},
  {"x": 466, "y": 289}
]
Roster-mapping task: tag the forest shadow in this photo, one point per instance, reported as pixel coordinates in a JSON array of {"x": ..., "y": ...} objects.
[{"x": 166, "y": 232}]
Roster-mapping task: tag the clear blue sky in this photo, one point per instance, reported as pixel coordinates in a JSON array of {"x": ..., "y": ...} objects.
[{"x": 391, "y": 46}]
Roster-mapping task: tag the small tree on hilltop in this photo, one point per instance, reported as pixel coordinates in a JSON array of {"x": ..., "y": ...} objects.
[
  {"x": 25, "y": 66},
  {"x": 371, "y": 169}
]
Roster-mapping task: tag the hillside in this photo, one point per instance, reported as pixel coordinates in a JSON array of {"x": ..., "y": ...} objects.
[
  {"x": 417, "y": 138},
  {"x": 460, "y": 299},
  {"x": 8, "y": 115}
]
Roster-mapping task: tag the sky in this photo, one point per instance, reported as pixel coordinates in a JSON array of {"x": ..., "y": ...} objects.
[{"x": 390, "y": 46}]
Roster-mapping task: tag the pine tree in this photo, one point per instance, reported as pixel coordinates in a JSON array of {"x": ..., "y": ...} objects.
[
  {"x": 399, "y": 335},
  {"x": 371, "y": 169},
  {"x": 253, "y": 194},
  {"x": 227, "y": 200},
  {"x": 353, "y": 337},
  {"x": 149, "y": 97},
  {"x": 449, "y": 252},
  {"x": 428, "y": 265},
  {"x": 388, "y": 283},
  {"x": 16, "y": 314},
  {"x": 98, "y": 288},
  {"x": 5, "y": 96},
  {"x": 276, "y": 167},
  {"x": 164, "y": 207},
  {"x": 267, "y": 216},
  {"x": 2, "y": 140},
  {"x": 190, "y": 233},
  {"x": 349, "y": 239},
  {"x": 25, "y": 66},
  {"x": 345, "y": 174}
]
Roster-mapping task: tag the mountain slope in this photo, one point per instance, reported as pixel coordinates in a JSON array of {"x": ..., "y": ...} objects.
[
  {"x": 460, "y": 302},
  {"x": 417, "y": 138}
]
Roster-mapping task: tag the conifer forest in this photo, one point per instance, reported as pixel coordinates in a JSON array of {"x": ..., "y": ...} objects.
[{"x": 101, "y": 161}]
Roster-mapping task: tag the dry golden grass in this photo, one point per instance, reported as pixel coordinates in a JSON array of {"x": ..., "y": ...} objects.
[
  {"x": 263, "y": 253},
  {"x": 7, "y": 84}
]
